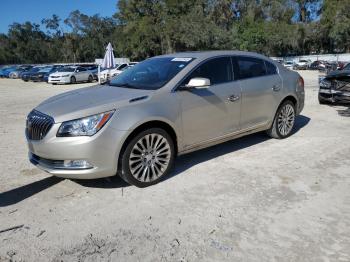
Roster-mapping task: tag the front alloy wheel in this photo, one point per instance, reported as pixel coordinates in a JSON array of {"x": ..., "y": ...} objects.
[
  {"x": 148, "y": 157},
  {"x": 284, "y": 121}
]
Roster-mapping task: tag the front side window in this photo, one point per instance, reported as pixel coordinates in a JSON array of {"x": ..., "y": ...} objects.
[
  {"x": 250, "y": 67},
  {"x": 66, "y": 69},
  {"x": 151, "y": 74},
  {"x": 121, "y": 66},
  {"x": 217, "y": 70}
]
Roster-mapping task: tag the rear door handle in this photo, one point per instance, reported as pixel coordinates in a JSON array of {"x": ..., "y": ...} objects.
[
  {"x": 276, "y": 88},
  {"x": 233, "y": 98}
]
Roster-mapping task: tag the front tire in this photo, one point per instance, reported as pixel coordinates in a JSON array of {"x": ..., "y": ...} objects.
[
  {"x": 147, "y": 157},
  {"x": 73, "y": 80},
  {"x": 90, "y": 78},
  {"x": 283, "y": 122}
]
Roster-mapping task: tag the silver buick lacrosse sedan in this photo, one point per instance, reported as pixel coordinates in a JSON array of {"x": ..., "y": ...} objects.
[{"x": 163, "y": 107}]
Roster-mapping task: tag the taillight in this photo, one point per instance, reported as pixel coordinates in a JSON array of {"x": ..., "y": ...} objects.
[{"x": 300, "y": 86}]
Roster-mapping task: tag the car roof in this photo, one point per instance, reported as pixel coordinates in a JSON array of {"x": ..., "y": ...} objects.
[{"x": 209, "y": 54}]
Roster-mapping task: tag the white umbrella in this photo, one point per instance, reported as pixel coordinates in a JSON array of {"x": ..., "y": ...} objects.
[{"x": 109, "y": 60}]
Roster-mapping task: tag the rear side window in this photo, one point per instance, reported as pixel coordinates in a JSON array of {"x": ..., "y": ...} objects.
[
  {"x": 249, "y": 67},
  {"x": 122, "y": 66},
  {"x": 218, "y": 70},
  {"x": 270, "y": 68}
]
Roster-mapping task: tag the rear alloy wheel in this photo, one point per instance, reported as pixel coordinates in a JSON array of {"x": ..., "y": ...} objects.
[
  {"x": 90, "y": 78},
  {"x": 147, "y": 158},
  {"x": 73, "y": 80},
  {"x": 284, "y": 121}
]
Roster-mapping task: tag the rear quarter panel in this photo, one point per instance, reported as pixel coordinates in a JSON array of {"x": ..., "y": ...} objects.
[{"x": 290, "y": 87}]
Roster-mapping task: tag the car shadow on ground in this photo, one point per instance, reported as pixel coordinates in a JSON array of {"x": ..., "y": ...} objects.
[
  {"x": 189, "y": 160},
  {"x": 18, "y": 194},
  {"x": 183, "y": 163}
]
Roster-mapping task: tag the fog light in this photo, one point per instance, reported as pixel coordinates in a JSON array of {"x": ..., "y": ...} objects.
[{"x": 77, "y": 164}]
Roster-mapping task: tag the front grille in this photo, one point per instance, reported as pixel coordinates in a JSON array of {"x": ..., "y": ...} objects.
[{"x": 38, "y": 125}]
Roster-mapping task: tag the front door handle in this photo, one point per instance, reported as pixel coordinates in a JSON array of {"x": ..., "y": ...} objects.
[
  {"x": 233, "y": 98},
  {"x": 276, "y": 88}
]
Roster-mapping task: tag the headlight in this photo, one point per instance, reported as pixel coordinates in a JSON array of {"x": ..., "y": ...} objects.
[
  {"x": 65, "y": 75},
  {"x": 324, "y": 83},
  {"x": 87, "y": 126}
]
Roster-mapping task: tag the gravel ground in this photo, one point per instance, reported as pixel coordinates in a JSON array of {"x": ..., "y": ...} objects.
[{"x": 251, "y": 199}]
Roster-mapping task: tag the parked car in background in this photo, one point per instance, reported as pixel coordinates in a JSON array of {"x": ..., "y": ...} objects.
[
  {"x": 315, "y": 65},
  {"x": 162, "y": 107},
  {"x": 94, "y": 70},
  {"x": 335, "y": 87},
  {"x": 43, "y": 73},
  {"x": 122, "y": 68},
  {"x": 70, "y": 75},
  {"x": 3, "y": 71},
  {"x": 288, "y": 64},
  {"x": 301, "y": 65},
  {"x": 7, "y": 71},
  {"x": 25, "y": 76},
  {"x": 107, "y": 74},
  {"x": 18, "y": 72}
]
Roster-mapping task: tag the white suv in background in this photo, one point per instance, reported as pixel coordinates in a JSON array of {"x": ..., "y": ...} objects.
[{"x": 109, "y": 73}]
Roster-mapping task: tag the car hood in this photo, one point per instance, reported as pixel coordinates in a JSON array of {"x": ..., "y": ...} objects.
[
  {"x": 338, "y": 75},
  {"x": 88, "y": 101},
  {"x": 61, "y": 73}
]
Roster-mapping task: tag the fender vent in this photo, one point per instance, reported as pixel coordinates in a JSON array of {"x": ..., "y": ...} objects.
[{"x": 137, "y": 99}]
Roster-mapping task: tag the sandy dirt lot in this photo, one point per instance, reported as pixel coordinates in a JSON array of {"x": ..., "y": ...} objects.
[{"x": 252, "y": 199}]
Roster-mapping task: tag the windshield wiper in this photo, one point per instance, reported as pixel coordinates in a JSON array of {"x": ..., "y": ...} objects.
[{"x": 127, "y": 85}]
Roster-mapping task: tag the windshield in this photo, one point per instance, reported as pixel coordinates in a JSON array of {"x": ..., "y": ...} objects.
[
  {"x": 66, "y": 69},
  {"x": 45, "y": 70},
  {"x": 34, "y": 69},
  {"x": 151, "y": 74},
  {"x": 347, "y": 67}
]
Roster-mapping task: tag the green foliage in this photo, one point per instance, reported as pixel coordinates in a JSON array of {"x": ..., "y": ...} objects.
[{"x": 142, "y": 29}]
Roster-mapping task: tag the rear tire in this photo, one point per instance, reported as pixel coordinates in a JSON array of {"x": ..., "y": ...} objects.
[
  {"x": 283, "y": 122},
  {"x": 90, "y": 78},
  {"x": 147, "y": 157},
  {"x": 73, "y": 80}
]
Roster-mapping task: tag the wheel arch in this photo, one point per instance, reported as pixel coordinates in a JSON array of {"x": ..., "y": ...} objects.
[
  {"x": 152, "y": 124},
  {"x": 290, "y": 98}
]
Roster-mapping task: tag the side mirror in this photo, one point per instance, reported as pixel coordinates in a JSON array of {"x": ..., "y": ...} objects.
[
  {"x": 78, "y": 71},
  {"x": 198, "y": 83}
]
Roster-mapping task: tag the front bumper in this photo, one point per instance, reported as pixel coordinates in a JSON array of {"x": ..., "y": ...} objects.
[
  {"x": 100, "y": 150},
  {"x": 36, "y": 78},
  {"x": 334, "y": 96},
  {"x": 60, "y": 80}
]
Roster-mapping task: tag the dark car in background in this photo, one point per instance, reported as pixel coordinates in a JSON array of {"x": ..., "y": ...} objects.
[
  {"x": 43, "y": 73},
  {"x": 26, "y": 76},
  {"x": 335, "y": 87}
]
